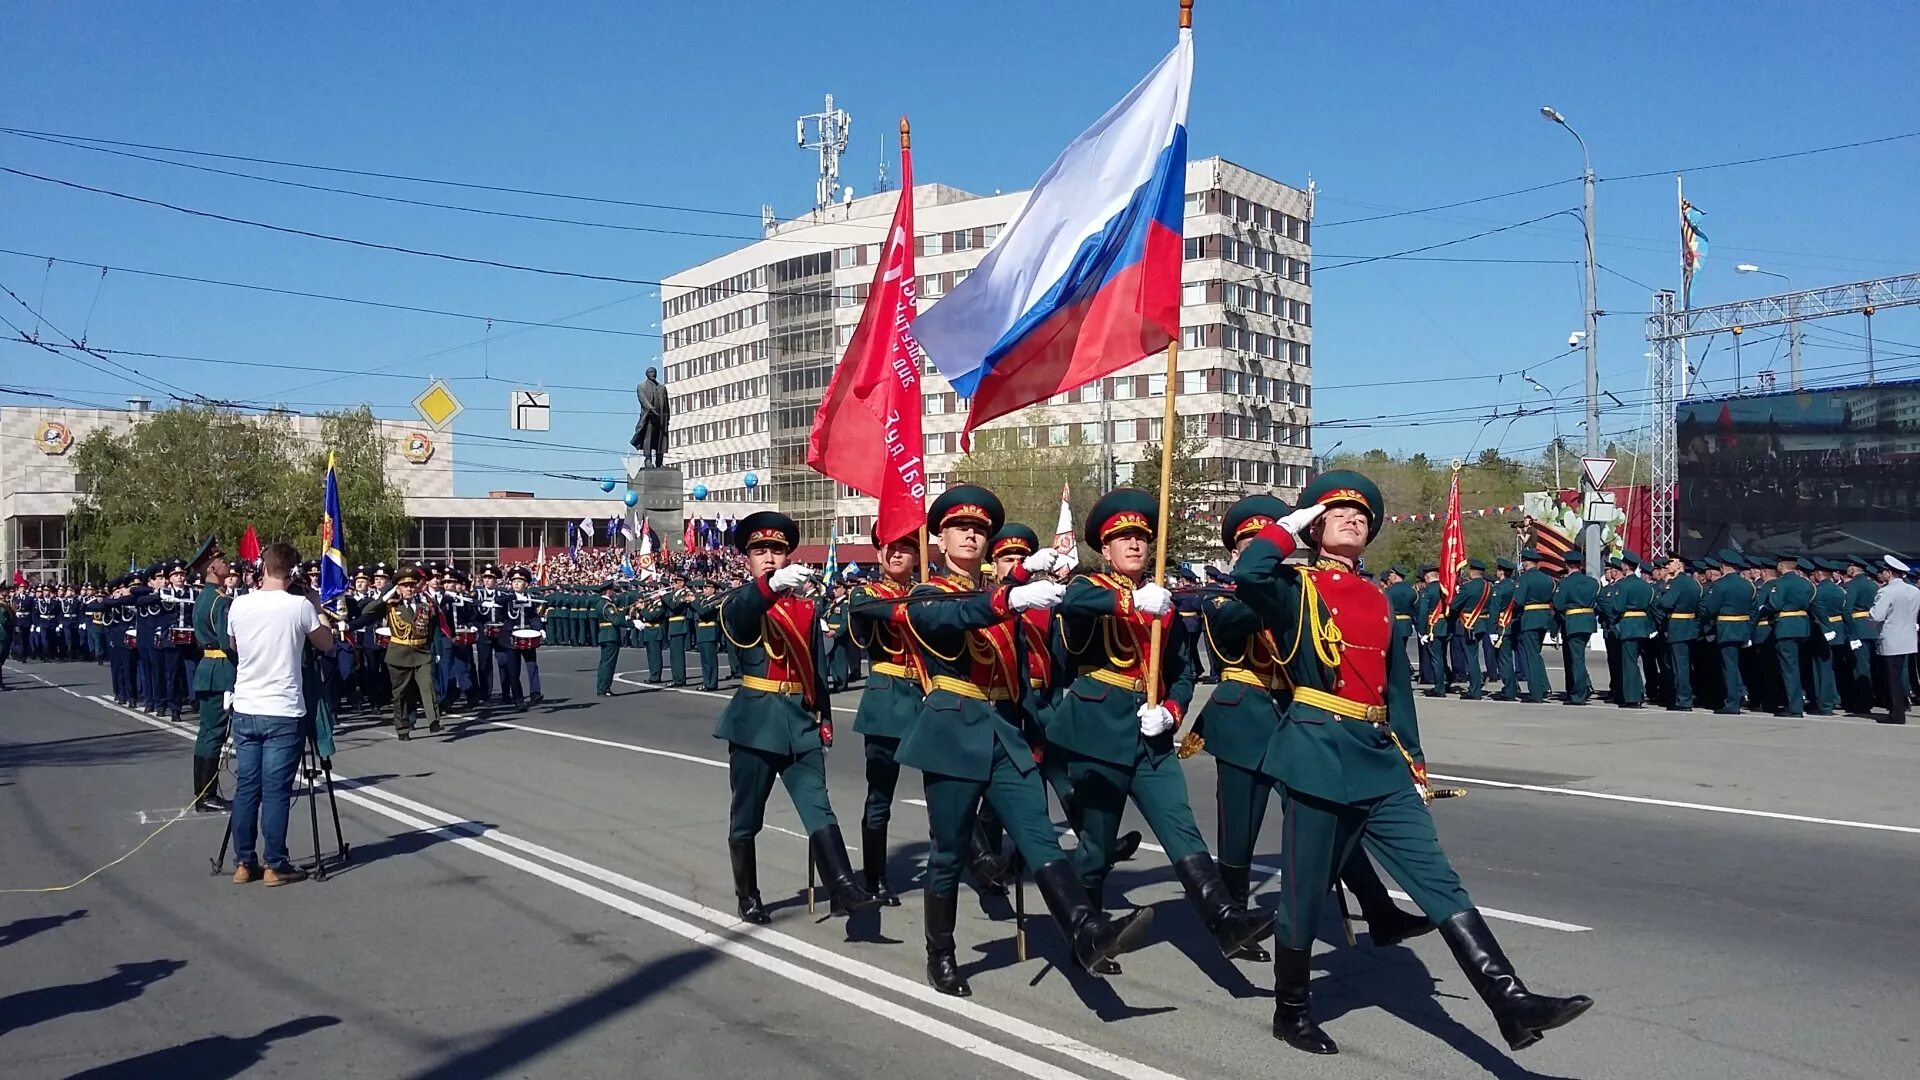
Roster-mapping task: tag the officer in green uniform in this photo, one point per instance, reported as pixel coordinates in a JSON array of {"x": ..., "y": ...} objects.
[
  {"x": 1605, "y": 611},
  {"x": 969, "y": 745},
  {"x": 1501, "y": 614},
  {"x": 607, "y": 620},
  {"x": 1430, "y": 618},
  {"x": 214, "y": 677},
  {"x": 653, "y": 632},
  {"x": 1789, "y": 604},
  {"x": 1533, "y": 596},
  {"x": 1117, "y": 728},
  {"x": 1678, "y": 609},
  {"x": 1826, "y": 639},
  {"x": 1237, "y": 726},
  {"x": 1346, "y": 759},
  {"x": 1401, "y": 600},
  {"x": 1728, "y": 606},
  {"x": 892, "y": 698},
  {"x": 1472, "y": 604},
  {"x": 1573, "y": 602},
  {"x": 1759, "y": 671},
  {"x": 779, "y": 722},
  {"x": 678, "y": 607},
  {"x": 706, "y": 633},
  {"x": 1629, "y": 606},
  {"x": 1863, "y": 637}
]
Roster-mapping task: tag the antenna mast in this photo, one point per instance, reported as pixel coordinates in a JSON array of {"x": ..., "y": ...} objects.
[{"x": 830, "y": 127}]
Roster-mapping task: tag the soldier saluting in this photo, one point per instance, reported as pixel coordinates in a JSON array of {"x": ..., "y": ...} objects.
[{"x": 1342, "y": 754}]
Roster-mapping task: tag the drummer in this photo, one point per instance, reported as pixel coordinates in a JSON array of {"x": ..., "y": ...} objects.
[
  {"x": 458, "y": 624},
  {"x": 491, "y": 616},
  {"x": 523, "y": 615}
]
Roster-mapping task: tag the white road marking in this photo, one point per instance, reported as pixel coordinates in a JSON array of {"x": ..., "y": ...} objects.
[
  {"x": 723, "y": 695},
  {"x": 458, "y": 830},
  {"x": 1678, "y": 805}
]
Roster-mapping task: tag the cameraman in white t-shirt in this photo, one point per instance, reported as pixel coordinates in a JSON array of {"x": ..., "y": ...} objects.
[{"x": 270, "y": 629}]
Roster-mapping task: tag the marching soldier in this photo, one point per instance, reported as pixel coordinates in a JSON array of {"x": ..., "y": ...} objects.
[
  {"x": 409, "y": 618},
  {"x": 969, "y": 745},
  {"x": 1863, "y": 637},
  {"x": 1471, "y": 601},
  {"x": 1573, "y": 602},
  {"x": 1729, "y": 605},
  {"x": 607, "y": 621},
  {"x": 1789, "y": 604},
  {"x": 1342, "y": 754},
  {"x": 1431, "y": 617},
  {"x": 779, "y": 722},
  {"x": 458, "y": 620},
  {"x": 892, "y": 697},
  {"x": 1501, "y": 614},
  {"x": 213, "y": 678},
  {"x": 706, "y": 634},
  {"x": 1119, "y": 738},
  {"x": 679, "y": 608},
  {"x": 1628, "y": 609},
  {"x": 1827, "y": 640},
  {"x": 1237, "y": 727},
  {"x": 1678, "y": 608},
  {"x": 1533, "y": 597},
  {"x": 524, "y": 613},
  {"x": 490, "y": 613},
  {"x": 653, "y": 633}
]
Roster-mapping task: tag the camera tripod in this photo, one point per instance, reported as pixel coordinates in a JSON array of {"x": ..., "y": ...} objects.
[{"x": 312, "y": 768}]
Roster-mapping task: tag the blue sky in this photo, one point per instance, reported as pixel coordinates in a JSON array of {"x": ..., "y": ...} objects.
[{"x": 1388, "y": 106}]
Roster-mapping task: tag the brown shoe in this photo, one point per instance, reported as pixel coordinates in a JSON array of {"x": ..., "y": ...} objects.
[
  {"x": 285, "y": 877},
  {"x": 245, "y": 874}
]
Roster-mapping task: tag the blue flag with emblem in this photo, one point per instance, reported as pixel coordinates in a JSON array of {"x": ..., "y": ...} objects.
[{"x": 333, "y": 542}]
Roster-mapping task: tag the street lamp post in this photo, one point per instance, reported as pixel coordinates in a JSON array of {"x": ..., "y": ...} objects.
[
  {"x": 1594, "y": 562},
  {"x": 1793, "y": 321},
  {"x": 1320, "y": 460}
]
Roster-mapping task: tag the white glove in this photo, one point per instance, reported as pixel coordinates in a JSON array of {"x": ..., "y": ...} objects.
[
  {"x": 792, "y": 576},
  {"x": 1424, "y": 639},
  {"x": 1036, "y": 594},
  {"x": 1655, "y": 634},
  {"x": 1296, "y": 523},
  {"x": 1853, "y": 644},
  {"x": 1155, "y": 720},
  {"x": 1152, "y": 599},
  {"x": 1831, "y": 635},
  {"x": 1041, "y": 562}
]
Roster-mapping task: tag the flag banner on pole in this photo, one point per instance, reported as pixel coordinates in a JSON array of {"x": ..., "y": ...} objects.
[
  {"x": 689, "y": 534},
  {"x": 1086, "y": 277},
  {"x": 1453, "y": 542},
  {"x": 333, "y": 542},
  {"x": 540, "y": 563},
  {"x": 249, "y": 550},
  {"x": 873, "y": 403},
  {"x": 648, "y": 545},
  {"x": 1063, "y": 538},
  {"x": 833, "y": 552},
  {"x": 1693, "y": 245}
]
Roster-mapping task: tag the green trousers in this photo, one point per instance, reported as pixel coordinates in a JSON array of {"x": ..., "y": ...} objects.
[
  {"x": 953, "y": 805},
  {"x": 1793, "y": 694},
  {"x": 751, "y": 773},
  {"x": 1476, "y": 678},
  {"x": 1242, "y": 796},
  {"x": 603, "y": 675},
  {"x": 1816, "y": 666},
  {"x": 1101, "y": 790},
  {"x": 1730, "y": 676},
  {"x": 883, "y": 775},
  {"x": 213, "y": 725},
  {"x": 1527, "y": 655},
  {"x": 1503, "y": 659},
  {"x": 709, "y": 665},
  {"x": 1629, "y": 685},
  {"x": 677, "y": 659},
  {"x": 1681, "y": 653},
  {"x": 653, "y": 659},
  {"x": 1573, "y": 661},
  {"x": 1318, "y": 837}
]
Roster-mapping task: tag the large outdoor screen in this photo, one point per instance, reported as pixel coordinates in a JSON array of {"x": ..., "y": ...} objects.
[{"x": 1820, "y": 472}]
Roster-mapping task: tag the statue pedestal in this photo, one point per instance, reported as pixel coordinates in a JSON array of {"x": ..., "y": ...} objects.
[{"x": 662, "y": 502}]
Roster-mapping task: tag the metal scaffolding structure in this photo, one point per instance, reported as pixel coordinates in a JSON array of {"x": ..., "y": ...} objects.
[{"x": 1667, "y": 328}]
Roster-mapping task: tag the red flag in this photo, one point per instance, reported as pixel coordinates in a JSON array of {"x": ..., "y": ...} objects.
[
  {"x": 686, "y": 538},
  {"x": 874, "y": 398},
  {"x": 19, "y": 580},
  {"x": 249, "y": 546},
  {"x": 1453, "y": 542}
]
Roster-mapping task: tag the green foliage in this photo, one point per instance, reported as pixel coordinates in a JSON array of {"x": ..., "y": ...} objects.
[
  {"x": 1416, "y": 485},
  {"x": 157, "y": 488},
  {"x": 1191, "y": 493},
  {"x": 1028, "y": 478}
]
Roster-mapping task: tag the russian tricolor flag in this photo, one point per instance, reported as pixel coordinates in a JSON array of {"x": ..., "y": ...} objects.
[{"x": 1086, "y": 277}]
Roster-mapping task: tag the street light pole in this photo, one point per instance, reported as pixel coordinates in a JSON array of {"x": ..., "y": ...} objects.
[
  {"x": 1594, "y": 561},
  {"x": 1793, "y": 321}
]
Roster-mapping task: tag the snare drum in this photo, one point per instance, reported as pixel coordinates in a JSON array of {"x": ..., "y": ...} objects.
[
  {"x": 466, "y": 637},
  {"x": 183, "y": 635},
  {"x": 527, "y": 640},
  {"x": 382, "y": 636},
  {"x": 133, "y": 639}
]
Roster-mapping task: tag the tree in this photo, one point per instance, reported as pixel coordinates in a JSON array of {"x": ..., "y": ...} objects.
[
  {"x": 1027, "y": 477},
  {"x": 1415, "y": 485},
  {"x": 1192, "y": 494},
  {"x": 159, "y": 487}
]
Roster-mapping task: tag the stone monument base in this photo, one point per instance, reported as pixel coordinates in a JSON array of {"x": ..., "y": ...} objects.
[{"x": 662, "y": 504}]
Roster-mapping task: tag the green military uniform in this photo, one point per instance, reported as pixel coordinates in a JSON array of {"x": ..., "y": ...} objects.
[
  {"x": 1861, "y": 592},
  {"x": 653, "y": 635},
  {"x": 1573, "y": 602},
  {"x": 1605, "y": 610},
  {"x": 1759, "y": 668},
  {"x": 1342, "y": 756},
  {"x": 779, "y": 722},
  {"x": 1430, "y": 617},
  {"x": 677, "y": 605},
  {"x": 1471, "y": 610},
  {"x": 969, "y": 744},
  {"x": 1629, "y": 609},
  {"x": 213, "y": 679},
  {"x": 1678, "y": 610},
  {"x": 1827, "y": 640},
  {"x": 409, "y": 658},
  {"x": 1728, "y": 607},
  {"x": 706, "y": 634},
  {"x": 1501, "y": 613},
  {"x": 607, "y": 620},
  {"x": 1533, "y": 596},
  {"x": 1789, "y": 604},
  {"x": 892, "y": 700}
]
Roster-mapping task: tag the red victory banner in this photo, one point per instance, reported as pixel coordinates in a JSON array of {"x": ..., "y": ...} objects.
[{"x": 1453, "y": 541}]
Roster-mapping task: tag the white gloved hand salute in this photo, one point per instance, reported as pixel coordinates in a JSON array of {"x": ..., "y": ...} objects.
[
  {"x": 791, "y": 577},
  {"x": 1156, "y": 720},
  {"x": 1297, "y": 522},
  {"x": 1036, "y": 594},
  {"x": 1040, "y": 562},
  {"x": 1152, "y": 599}
]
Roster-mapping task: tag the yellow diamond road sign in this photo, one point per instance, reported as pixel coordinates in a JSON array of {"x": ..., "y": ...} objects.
[{"x": 437, "y": 405}]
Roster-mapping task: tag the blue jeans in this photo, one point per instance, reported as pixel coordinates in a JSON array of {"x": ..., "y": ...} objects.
[{"x": 266, "y": 753}]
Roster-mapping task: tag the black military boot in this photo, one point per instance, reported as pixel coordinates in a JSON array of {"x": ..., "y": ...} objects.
[
  {"x": 988, "y": 865},
  {"x": 943, "y": 972},
  {"x": 208, "y": 785},
  {"x": 836, "y": 872},
  {"x": 1233, "y": 926},
  {"x": 1094, "y": 935},
  {"x": 1386, "y": 923},
  {"x": 1239, "y": 881},
  {"x": 746, "y": 882},
  {"x": 1124, "y": 846},
  {"x": 1292, "y": 1024},
  {"x": 873, "y": 858},
  {"x": 1523, "y": 1016}
]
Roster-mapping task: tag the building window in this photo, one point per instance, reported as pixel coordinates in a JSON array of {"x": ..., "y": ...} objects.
[
  {"x": 1193, "y": 337},
  {"x": 1196, "y": 203},
  {"x": 1156, "y": 385},
  {"x": 1122, "y": 389},
  {"x": 1195, "y": 248},
  {"x": 961, "y": 240},
  {"x": 1193, "y": 382},
  {"x": 1193, "y": 292},
  {"x": 1092, "y": 432}
]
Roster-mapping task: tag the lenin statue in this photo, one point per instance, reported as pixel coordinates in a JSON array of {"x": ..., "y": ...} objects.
[{"x": 650, "y": 430}]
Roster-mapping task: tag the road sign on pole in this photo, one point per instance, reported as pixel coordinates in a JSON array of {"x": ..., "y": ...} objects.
[
  {"x": 437, "y": 405},
  {"x": 529, "y": 410},
  {"x": 1597, "y": 469}
]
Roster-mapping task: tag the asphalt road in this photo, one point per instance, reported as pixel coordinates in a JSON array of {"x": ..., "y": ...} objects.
[{"x": 547, "y": 894}]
